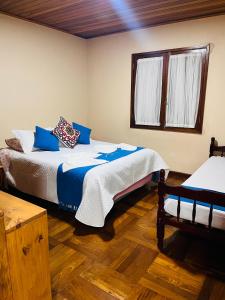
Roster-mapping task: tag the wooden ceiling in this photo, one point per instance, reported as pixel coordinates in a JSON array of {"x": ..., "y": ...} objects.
[{"x": 92, "y": 18}]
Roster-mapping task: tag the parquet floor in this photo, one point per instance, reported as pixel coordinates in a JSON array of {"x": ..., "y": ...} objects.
[{"x": 121, "y": 260}]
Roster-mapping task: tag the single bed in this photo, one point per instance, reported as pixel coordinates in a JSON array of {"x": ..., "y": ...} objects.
[
  {"x": 37, "y": 174},
  {"x": 198, "y": 205}
]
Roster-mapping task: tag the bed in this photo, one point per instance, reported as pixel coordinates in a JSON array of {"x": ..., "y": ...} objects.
[
  {"x": 53, "y": 175},
  {"x": 198, "y": 205}
]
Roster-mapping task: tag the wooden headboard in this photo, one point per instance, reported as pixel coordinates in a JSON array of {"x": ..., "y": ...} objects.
[{"x": 215, "y": 148}]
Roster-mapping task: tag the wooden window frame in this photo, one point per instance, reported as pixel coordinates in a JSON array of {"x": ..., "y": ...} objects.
[{"x": 166, "y": 54}]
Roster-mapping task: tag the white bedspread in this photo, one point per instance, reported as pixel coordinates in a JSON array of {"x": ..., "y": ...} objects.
[
  {"x": 209, "y": 176},
  {"x": 36, "y": 174}
]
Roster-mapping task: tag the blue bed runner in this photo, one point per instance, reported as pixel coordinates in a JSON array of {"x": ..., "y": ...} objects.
[
  {"x": 70, "y": 183},
  {"x": 183, "y": 199}
]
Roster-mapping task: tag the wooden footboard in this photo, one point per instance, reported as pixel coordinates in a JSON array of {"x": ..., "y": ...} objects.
[
  {"x": 163, "y": 218},
  {"x": 209, "y": 197},
  {"x": 214, "y": 148}
]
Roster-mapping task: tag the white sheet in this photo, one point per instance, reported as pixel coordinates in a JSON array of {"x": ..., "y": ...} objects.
[
  {"x": 36, "y": 174},
  {"x": 209, "y": 176}
]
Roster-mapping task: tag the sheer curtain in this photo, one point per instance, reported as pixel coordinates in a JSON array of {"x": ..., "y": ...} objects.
[
  {"x": 184, "y": 81},
  {"x": 147, "y": 98}
]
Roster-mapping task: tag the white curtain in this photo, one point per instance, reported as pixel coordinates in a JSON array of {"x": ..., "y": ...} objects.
[
  {"x": 184, "y": 81},
  {"x": 147, "y": 101}
]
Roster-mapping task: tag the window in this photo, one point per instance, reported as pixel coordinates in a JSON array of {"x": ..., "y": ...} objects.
[{"x": 168, "y": 89}]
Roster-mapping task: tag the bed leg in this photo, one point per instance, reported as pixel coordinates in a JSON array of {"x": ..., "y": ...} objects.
[
  {"x": 161, "y": 212},
  {"x": 160, "y": 234}
]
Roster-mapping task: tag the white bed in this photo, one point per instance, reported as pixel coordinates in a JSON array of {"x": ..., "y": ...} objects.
[
  {"x": 209, "y": 176},
  {"x": 36, "y": 174}
]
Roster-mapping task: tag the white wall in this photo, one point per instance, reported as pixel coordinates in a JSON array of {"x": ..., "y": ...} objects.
[
  {"x": 109, "y": 78},
  {"x": 43, "y": 74}
]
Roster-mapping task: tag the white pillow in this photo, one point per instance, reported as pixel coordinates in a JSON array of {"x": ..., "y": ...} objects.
[{"x": 26, "y": 138}]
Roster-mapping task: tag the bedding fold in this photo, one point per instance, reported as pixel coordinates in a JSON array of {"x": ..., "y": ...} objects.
[{"x": 70, "y": 182}]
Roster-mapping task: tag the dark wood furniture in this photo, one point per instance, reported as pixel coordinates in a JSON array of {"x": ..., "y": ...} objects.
[{"x": 212, "y": 198}]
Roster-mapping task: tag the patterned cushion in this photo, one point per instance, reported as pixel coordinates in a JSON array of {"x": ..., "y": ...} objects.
[
  {"x": 14, "y": 144},
  {"x": 66, "y": 134}
]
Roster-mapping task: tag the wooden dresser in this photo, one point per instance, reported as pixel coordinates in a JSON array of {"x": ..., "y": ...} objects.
[{"x": 24, "y": 257}]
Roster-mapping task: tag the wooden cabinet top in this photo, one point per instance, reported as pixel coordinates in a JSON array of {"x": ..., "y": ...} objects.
[{"x": 18, "y": 212}]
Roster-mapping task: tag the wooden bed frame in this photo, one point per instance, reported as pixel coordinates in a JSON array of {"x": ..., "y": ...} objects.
[{"x": 212, "y": 198}]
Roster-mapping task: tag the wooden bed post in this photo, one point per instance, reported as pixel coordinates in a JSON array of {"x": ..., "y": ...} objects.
[
  {"x": 212, "y": 145},
  {"x": 161, "y": 212}
]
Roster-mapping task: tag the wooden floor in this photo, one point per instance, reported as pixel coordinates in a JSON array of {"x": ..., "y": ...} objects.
[{"x": 121, "y": 260}]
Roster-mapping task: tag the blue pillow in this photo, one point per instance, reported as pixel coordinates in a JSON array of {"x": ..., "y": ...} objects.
[
  {"x": 85, "y": 133},
  {"x": 45, "y": 140}
]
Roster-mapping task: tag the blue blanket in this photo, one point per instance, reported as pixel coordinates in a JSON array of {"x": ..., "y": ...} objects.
[
  {"x": 197, "y": 202},
  {"x": 70, "y": 183}
]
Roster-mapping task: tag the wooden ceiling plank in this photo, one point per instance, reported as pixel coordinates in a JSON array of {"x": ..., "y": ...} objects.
[
  {"x": 55, "y": 9},
  {"x": 141, "y": 13},
  {"x": 100, "y": 33},
  {"x": 20, "y": 7},
  {"x": 89, "y": 18},
  {"x": 101, "y": 8},
  {"x": 142, "y": 17},
  {"x": 104, "y": 20},
  {"x": 72, "y": 6},
  {"x": 27, "y": 8},
  {"x": 69, "y": 12},
  {"x": 154, "y": 21},
  {"x": 77, "y": 16}
]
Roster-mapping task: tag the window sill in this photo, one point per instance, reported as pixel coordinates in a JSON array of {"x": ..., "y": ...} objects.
[{"x": 171, "y": 129}]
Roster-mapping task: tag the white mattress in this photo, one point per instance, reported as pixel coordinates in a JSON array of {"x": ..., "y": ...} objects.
[
  {"x": 36, "y": 174},
  {"x": 209, "y": 176}
]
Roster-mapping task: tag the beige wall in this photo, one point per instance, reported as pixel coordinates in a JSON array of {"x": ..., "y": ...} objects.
[
  {"x": 43, "y": 75},
  {"x": 109, "y": 73}
]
